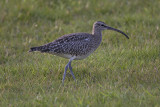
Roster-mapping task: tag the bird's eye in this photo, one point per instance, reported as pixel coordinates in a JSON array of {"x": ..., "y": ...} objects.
[{"x": 102, "y": 25}]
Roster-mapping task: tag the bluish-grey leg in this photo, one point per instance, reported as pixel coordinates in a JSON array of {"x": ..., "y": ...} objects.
[
  {"x": 68, "y": 65},
  {"x": 64, "y": 75},
  {"x": 70, "y": 68}
]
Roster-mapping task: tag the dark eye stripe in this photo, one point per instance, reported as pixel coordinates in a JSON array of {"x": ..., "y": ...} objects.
[{"x": 101, "y": 25}]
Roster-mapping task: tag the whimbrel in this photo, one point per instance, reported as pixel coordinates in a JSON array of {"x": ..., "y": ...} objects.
[{"x": 76, "y": 46}]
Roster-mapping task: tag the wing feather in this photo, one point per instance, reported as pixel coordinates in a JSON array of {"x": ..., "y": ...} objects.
[{"x": 74, "y": 44}]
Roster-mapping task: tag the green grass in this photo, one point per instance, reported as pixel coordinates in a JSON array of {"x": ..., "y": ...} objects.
[{"x": 120, "y": 72}]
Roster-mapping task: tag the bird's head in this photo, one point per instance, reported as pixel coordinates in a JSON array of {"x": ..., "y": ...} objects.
[{"x": 102, "y": 26}]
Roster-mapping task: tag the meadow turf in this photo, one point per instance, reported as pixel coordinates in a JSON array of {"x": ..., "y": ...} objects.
[{"x": 120, "y": 72}]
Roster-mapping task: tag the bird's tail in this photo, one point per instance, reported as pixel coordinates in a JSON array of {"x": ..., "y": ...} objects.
[{"x": 36, "y": 49}]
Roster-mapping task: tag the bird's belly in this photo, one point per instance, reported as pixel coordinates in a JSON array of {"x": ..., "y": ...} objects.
[
  {"x": 80, "y": 57},
  {"x": 68, "y": 56},
  {"x": 77, "y": 56}
]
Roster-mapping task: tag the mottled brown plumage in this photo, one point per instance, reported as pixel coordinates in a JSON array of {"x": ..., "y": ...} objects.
[{"x": 76, "y": 46}]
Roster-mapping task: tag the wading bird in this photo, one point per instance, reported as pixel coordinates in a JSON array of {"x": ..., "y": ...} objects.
[{"x": 76, "y": 46}]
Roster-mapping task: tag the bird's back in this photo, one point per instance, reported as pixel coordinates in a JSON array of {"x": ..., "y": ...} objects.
[{"x": 75, "y": 44}]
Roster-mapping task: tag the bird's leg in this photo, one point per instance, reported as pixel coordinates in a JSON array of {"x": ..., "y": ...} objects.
[
  {"x": 64, "y": 75},
  {"x": 66, "y": 68},
  {"x": 70, "y": 68}
]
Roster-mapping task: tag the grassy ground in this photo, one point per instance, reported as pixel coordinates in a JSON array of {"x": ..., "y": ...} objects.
[{"x": 120, "y": 73}]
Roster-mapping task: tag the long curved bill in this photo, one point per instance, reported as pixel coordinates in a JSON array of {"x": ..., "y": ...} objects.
[{"x": 110, "y": 28}]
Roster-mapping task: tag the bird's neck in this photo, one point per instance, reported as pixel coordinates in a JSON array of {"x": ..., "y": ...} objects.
[
  {"x": 97, "y": 35},
  {"x": 96, "y": 32}
]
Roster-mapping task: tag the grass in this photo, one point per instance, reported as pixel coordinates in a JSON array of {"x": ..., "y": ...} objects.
[{"x": 120, "y": 73}]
